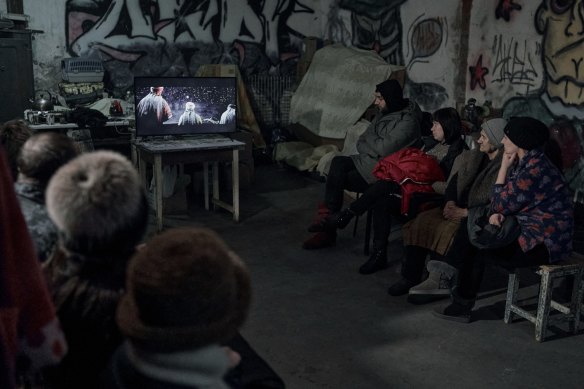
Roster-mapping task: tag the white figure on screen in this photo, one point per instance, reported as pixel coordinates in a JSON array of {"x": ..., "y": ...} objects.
[
  {"x": 229, "y": 115},
  {"x": 153, "y": 106},
  {"x": 189, "y": 116}
]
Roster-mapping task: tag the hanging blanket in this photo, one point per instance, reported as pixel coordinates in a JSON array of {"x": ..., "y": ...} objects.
[{"x": 337, "y": 89}]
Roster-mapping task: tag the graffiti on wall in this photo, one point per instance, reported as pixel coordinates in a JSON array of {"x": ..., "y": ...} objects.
[
  {"x": 559, "y": 102},
  {"x": 477, "y": 74},
  {"x": 173, "y": 38},
  {"x": 513, "y": 63},
  {"x": 504, "y": 9},
  {"x": 426, "y": 36}
]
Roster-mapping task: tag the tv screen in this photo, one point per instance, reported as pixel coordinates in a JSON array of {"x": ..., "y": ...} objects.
[{"x": 185, "y": 105}]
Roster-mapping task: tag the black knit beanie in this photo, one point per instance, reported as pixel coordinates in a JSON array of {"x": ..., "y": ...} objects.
[
  {"x": 392, "y": 93},
  {"x": 527, "y": 133}
]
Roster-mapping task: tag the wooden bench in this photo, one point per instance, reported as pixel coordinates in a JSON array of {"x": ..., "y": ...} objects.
[{"x": 570, "y": 313}]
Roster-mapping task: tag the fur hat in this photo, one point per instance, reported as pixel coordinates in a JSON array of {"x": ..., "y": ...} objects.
[
  {"x": 392, "y": 93},
  {"x": 493, "y": 128},
  {"x": 527, "y": 133},
  {"x": 98, "y": 204},
  {"x": 185, "y": 290}
]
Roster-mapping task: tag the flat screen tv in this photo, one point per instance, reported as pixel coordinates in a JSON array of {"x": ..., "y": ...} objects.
[{"x": 185, "y": 105}]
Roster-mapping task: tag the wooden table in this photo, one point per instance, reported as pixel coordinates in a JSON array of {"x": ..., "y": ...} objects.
[{"x": 205, "y": 149}]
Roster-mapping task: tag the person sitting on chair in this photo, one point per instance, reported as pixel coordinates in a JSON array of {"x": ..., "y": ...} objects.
[
  {"x": 530, "y": 188},
  {"x": 396, "y": 125},
  {"x": 434, "y": 231},
  {"x": 446, "y": 145}
]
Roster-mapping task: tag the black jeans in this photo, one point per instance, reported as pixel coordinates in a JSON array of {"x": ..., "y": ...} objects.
[
  {"x": 510, "y": 257},
  {"x": 378, "y": 197},
  {"x": 342, "y": 175}
]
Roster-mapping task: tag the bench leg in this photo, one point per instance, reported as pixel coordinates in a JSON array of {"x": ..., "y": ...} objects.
[
  {"x": 512, "y": 287},
  {"x": 543, "y": 307},
  {"x": 576, "y": 303}
]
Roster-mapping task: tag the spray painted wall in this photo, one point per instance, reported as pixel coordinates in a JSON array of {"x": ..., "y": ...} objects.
[
  {"x": 526, "y": 57},
  {"x": 174, "y": 38}
]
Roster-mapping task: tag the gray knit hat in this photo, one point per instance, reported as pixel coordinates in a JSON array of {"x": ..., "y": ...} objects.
[
  {"x": 98, "y": 204},
  {"x": 494, "y": 130},
  {"x": 185, "y": 290}
]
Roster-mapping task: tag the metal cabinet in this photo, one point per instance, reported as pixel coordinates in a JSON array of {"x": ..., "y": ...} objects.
[{"x": 16, "y": 75}]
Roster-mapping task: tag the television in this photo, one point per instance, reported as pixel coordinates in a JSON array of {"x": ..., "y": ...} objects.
[{"x": 167, "y": 106}]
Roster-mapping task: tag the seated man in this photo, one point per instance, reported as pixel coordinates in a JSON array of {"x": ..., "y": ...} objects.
[
  {"x": 39, "y": 159},
  {"x": 396, "y": 125}
]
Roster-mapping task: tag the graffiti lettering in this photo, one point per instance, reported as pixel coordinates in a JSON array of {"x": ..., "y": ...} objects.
[{"x": 513, "y": 63}]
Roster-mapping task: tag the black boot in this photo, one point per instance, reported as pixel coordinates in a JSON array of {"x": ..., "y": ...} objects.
[
  {"x": 341, "y": 219},
  {"x": 377, "y": 261},
  {"x": 459, "y": 310}
]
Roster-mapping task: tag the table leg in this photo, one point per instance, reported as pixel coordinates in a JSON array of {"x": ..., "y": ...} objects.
[
  {"x": 158, "y": 189},
  {"x": 142, "y": 170},
  {"x": 216, "y": 181},
  {"x": 235, "y": 183},
  {"x": 206, "y": 184}
]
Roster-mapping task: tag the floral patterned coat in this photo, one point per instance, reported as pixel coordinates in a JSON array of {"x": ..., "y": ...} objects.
[{"x": 537, "y": 194}]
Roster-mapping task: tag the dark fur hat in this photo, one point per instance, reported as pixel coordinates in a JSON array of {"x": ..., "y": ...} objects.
[
  {"x": 98, "y": 204},
  {"x": 185, "y": 289}
]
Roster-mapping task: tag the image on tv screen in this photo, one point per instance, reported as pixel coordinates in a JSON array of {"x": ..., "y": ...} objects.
[{"x": 185, "y": 105}]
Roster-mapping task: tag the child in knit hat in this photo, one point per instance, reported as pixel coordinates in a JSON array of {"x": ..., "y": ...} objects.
[{"x": 187, "y": 293}]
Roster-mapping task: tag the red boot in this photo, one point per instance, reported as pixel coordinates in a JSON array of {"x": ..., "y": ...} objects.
[
  {"x": 320, "y": 240},
  {"x": 322, "y": 215}
]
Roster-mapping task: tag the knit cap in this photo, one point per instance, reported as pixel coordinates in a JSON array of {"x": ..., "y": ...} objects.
[
  {"x": 527, "y": 133},
  {"x": 185, "y": 290},
  {"x": 494, "y": 129}
]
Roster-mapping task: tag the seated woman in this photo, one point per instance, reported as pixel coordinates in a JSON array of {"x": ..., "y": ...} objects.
[
  {"x": 532, "y": 189},
  {"x": 447, "y": 134},
  {"x": 433, "y": 231}
]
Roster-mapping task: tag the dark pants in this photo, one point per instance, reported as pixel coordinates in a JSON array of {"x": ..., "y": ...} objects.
[
  {"x": 510, "y": 257},
  {"x": 378, "y": 197},
  {"x": 413, "y": 265},
  {"x": 342, "y": 175}
]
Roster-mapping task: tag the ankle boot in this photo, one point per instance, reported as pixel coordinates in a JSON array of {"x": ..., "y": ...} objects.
[
  {"x": 320, "y": 240},
  {"x": 377, "y": 261},
  {"x": 441, "y": 279},
  {"x": 322, "y": 216},
  {"x": 459, "y": 310},
  {"x": 341, "y": 219}
]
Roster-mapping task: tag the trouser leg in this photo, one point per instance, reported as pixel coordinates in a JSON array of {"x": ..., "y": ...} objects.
[
  {"x": 342, "y": 175},
  {"x": 413, "y": 265},
  {"x": 374, "y": 193},
  {"x": 460, "y": 249},
  {"x": 382, "y": 211},
  {"x": 509, "y": 257}
]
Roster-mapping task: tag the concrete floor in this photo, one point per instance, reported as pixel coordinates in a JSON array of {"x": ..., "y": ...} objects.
[{"x": 321, "y": 324}]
